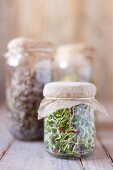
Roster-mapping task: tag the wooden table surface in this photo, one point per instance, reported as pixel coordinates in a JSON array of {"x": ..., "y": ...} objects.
[{"x": 18, "y": 155}]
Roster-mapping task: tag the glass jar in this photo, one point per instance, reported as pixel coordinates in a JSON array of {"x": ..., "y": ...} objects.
[
  {"x": 75, "y": 62},
  {"x": 29, "y": 68},
  {"x": 69, "y": 119}
]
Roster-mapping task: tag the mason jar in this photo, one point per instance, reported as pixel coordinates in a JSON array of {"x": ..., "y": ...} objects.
[
  {"x": 29, "y": 68},
  {"x": 68, "y": 110}
]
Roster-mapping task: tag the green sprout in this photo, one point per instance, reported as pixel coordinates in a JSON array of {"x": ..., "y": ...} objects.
[{"x": 70, "y": 131}]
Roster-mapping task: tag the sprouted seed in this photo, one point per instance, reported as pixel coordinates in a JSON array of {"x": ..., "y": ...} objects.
[{"x": 70, "y": 131}]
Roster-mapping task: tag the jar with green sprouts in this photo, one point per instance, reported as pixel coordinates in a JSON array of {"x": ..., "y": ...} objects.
[{"x": 69, "y": 124}]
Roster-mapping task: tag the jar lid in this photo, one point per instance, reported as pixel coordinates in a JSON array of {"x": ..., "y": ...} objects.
[
  {"x": 69, "y": 90},
  {"x": 27, "y": 44}
]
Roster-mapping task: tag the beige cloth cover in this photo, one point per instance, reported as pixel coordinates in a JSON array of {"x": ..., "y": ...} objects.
[{"x": 60, "y": 95}]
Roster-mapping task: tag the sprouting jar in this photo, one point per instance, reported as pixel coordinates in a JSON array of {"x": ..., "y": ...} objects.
[
  {"x": 69, "y": 125},
  {"x": 29, "y": 68}
]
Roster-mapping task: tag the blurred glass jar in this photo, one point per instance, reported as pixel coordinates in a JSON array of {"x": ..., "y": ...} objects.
[
  {"x": 75, "y": 62},
  {"x": 29, "y": 68}
]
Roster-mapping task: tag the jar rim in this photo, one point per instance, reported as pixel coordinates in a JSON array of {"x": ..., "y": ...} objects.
[{"x": 22, "y": 44}]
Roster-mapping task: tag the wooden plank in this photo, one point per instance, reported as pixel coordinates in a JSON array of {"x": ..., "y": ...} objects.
[
  {"x": 44, "y": 20},
  {"x": 98, "y": 160},
  {"x": 97, "y": 29},
  {"x": 106, "y": 140},
  {"x": 107, "y": 144},
  {"x": 6, "y": 139},
  {"x": 32, "y": 156},
  {"x": 105, "y": 132},
  {"x": 8, "y": 30}
]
